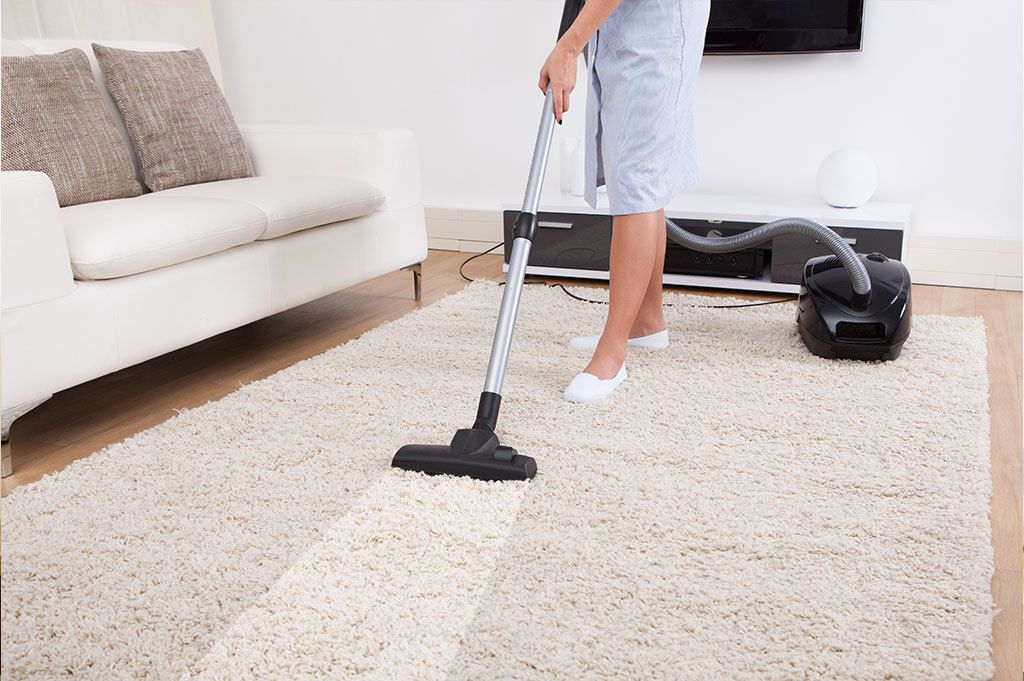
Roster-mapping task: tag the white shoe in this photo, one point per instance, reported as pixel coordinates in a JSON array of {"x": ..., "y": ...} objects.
[
  {"x": 590, "y": 388},
  {"x": 655, "y": 341}
]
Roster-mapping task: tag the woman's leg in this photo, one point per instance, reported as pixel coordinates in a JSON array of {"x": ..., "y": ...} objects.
[
  {"x": 636, "y": 242},
  {"x": 650, "y": 318}
]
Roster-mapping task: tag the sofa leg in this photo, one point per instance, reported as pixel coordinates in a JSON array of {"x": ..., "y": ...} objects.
[
  {"x": 9, "y": 416},
  {"x": 417, "y": 277}
]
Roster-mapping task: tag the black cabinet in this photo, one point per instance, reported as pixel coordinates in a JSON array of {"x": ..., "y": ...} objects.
[
  {"x": 566, "y": 240},
  {"x": 581, "y": 241},
  {"x": 791, "y": 251}
]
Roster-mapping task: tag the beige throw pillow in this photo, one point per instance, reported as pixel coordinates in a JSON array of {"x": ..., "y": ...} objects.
[
  {"x": 178, "y": 120},
  {"x": 55, "y": 122}
]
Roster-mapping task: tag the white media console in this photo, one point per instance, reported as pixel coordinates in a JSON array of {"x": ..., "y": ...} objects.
[{"x": 572, "y": 238}]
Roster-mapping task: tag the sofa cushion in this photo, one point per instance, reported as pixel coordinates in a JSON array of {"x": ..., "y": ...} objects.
[
  {"x": 55, "y": 122},
  {"x": 109, "y": 239},
  {"x": 292, "y": 204},
  {"x": 178, "y": 120}
]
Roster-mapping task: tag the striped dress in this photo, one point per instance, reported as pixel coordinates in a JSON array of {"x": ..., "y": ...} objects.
[{"x": 643, "y": 68}]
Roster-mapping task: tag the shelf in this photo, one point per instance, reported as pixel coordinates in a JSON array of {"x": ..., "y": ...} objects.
[
  {"x": 872, "y": 215},
  {"x": 873, "y": 227},
  {"x": 693, "y": 280}
]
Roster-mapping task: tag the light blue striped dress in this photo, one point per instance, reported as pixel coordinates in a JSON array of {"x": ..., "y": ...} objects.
[{"x": 643, "y": 69}]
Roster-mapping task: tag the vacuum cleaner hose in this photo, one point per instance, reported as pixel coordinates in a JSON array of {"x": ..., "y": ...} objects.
[{"x": 825, "y": 236}]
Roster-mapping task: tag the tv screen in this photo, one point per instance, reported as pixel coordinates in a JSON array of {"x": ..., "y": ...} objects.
[{"x": 756, "y": 26}]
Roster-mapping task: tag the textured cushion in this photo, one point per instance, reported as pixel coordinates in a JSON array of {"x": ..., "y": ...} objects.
[
  {"x": 292, "y": 204},
  {"x": 111, "y": 239},
  {"x": 55, "y": 121},
  {"x": 178, "y": 120}
]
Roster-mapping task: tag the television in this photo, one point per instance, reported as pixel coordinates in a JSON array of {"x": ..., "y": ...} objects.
[{"x": 765, "y": 26}]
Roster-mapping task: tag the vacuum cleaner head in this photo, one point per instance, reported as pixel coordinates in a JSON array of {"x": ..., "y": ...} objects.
[
  {"x": 836, "y": 323},
  {"x": 473, "y": 452}
]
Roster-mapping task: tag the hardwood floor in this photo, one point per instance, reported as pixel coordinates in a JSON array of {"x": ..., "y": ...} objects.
[{"x": 81, "y": 420}]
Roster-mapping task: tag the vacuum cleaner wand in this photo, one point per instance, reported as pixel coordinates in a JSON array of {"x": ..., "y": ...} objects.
[{"x": 476, "y": 452}]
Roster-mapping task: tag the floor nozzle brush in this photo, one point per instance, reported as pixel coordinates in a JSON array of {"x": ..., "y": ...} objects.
[{"x": 473, "y": 452}]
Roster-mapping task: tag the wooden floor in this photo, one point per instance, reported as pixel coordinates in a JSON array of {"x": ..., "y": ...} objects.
[{"x": 84, "y": 419}]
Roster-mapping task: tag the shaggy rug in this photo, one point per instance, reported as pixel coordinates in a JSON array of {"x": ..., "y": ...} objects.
[{"x": 739, "y": 509}]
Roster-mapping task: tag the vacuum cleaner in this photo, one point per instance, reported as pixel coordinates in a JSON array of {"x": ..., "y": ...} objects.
[{"x": 851, "y": 306}]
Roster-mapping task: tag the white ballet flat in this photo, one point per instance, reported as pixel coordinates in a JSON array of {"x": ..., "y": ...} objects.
[
  {"x": 590, "y": 388},
  {"x": 655, "y": 341}
]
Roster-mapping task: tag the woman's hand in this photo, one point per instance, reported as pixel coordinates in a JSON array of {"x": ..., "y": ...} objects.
[{"x": 559, "y": 71}]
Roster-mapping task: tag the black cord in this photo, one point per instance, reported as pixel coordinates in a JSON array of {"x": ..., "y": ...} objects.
[
  {"x": 766, "y": 302},
  {"x": 474, "y": 257},
  {"x": 605, "y": 302}
]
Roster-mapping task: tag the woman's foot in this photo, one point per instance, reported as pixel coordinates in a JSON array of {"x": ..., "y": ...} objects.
[
  {"x": 654, "y": 341},
  {"x": 606, "y": 371},
  {"x": 589, "y": 388}
]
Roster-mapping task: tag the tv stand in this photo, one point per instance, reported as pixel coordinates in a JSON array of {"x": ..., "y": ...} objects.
[{"x": 573, "y": 239}]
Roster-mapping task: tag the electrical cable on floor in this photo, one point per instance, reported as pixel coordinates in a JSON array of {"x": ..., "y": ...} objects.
[
  {"x": 474, "y": 257},
  {"x": 605, "y": 302}
]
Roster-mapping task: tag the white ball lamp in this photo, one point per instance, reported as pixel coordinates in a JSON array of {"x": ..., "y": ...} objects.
[{"x": 847, "y": 178}]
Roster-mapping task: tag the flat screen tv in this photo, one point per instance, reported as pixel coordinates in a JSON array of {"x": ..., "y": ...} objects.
[{"x": 759, "y": 26}]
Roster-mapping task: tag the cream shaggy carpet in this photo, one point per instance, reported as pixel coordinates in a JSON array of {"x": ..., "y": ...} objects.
[{"x": 740, "y": 509}]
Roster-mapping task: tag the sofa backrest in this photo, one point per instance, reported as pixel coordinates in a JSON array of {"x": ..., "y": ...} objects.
[{"x": 30, "y": 46}]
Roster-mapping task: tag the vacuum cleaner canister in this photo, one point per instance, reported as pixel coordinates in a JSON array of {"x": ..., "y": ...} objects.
[
  {"x": 837, "y": 323},
  {"x": 852, "y": 306}
]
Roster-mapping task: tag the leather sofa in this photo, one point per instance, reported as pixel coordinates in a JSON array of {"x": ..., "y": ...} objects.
[{"x": 90, "y": 289}]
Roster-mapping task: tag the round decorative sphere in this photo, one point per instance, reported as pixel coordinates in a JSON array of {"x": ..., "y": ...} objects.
[{"x": 847, "y": 178}]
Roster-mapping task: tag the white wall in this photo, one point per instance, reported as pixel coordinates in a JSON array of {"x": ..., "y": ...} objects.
[
  {"x": 935, "y": 98},
  {"x": 186, "y": 22}
]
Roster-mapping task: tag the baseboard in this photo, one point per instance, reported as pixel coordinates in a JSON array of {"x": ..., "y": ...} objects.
[
  {"x": 966, "y": 280},
  {"x": 470, "y": 231},
  {"x": 972, "y": 262},
  {"x": 460, "y": 245}
]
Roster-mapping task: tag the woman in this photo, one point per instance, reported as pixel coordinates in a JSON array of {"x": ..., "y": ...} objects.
[{"x": 643, "y": 61}]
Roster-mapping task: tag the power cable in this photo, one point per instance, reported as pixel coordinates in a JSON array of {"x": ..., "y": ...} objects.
[{"x": 605, "y": 302}]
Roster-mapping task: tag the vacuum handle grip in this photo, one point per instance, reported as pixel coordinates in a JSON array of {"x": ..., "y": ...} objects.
[{"x": 570, "y": 11}]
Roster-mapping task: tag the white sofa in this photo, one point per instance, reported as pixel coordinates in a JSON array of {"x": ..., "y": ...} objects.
[{"x": 90, "y": 289}]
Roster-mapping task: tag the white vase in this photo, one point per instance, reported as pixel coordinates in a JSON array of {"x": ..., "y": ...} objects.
[
  {"x": 566, "y": 159},
  {"x": 578, "y": 173},
  {"x": 847, "y": 178}
]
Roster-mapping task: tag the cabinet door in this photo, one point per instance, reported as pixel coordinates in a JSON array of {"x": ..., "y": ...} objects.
[
  {"x": 791, "y": 251},
  {"x": 568, "y": 240}
]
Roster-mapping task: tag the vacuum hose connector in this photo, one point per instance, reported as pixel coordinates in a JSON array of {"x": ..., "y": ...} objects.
[{"x": 825, "y": 236}]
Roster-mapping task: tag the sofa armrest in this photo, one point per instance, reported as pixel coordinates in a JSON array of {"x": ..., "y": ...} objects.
[
  {"x": 34, "y": 262},
  {"x": 387, "y": 158}
]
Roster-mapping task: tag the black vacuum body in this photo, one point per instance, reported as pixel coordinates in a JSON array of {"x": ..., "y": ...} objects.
[
  {"x": 836, "y": 323},
  {"x": 852, "y": 305}
]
